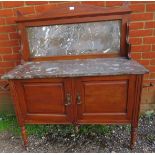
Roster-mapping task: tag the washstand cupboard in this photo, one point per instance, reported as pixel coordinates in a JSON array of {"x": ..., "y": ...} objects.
[{"x": 76, "y": 69}]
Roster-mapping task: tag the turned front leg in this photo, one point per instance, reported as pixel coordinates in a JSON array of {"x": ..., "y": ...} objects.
[
  {"x": 133, "y": 136},
  {"x": 24, "y": 136}
]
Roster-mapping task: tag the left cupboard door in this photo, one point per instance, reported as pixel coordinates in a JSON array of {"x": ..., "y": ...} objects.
[{"x": 44, "y": 100}]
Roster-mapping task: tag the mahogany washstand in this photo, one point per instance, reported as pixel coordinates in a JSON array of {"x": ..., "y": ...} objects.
[{"x": 76, "y": 69}]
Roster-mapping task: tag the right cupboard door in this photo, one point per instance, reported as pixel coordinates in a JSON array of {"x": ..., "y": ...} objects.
[{"x": 106, "y": 99}]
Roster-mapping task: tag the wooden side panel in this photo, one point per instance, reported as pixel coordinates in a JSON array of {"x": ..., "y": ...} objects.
[
  {"x": 105, "y": 99},
  {"x": 43, "y": 101}
]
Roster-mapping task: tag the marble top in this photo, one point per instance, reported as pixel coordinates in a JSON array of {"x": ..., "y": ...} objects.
[{"x": 75, "y": 68}]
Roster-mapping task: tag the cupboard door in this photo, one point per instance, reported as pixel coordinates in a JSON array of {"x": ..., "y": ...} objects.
[
  {"x": 45, "y": 101},
  {"x": 104, "y": 99}
]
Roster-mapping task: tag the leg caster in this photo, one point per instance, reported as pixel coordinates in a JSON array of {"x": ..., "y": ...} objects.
[
  {"x": 133, "y": 137},
  {"x": 24, "y": 136}
]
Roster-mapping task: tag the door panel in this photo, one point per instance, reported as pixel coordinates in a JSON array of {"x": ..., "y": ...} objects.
[
  {"x": 104, "y": 99},
  {"x": 106, "y": 94},
  {"x": 44, "y": 100}
]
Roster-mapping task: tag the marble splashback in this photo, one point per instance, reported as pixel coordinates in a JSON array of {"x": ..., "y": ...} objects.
[{"x": 75, "y": 39}]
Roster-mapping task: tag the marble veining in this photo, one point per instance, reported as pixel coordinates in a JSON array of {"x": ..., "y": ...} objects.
[
  {"x": 75, "y": 39},
  {"x": 76, "y": 68}
]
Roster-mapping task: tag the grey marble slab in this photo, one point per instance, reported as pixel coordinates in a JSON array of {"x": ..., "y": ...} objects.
[
  {"x": 75, "y": 39},
  {"x": 76, "y": 68}
]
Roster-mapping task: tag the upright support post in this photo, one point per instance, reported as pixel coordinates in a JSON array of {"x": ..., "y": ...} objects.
[
  {"x": 135, "y": 115},
  {"x": 13, "y": 87}
]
